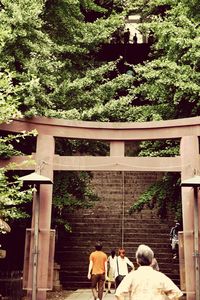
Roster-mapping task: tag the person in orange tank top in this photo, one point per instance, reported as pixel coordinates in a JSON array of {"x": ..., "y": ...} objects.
[{"x": 97, "y": 271}]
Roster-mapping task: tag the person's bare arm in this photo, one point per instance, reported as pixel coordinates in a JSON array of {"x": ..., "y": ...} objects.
[
  {"x": 90, "y": 269},
  {"x": 106, "y": 270}
]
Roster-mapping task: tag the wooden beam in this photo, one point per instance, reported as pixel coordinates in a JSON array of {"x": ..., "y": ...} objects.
[
  {"x": 117, "y": 163},
  {"x": 105, "y": 163}
]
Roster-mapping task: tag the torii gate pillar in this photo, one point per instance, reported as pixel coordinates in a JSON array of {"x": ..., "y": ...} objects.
[
  {"x": 190, "y": 166},
  {"x": 44, "y": 157}
]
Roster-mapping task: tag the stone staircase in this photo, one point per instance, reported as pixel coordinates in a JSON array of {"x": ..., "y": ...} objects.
[{"x": 110, "y": 222}]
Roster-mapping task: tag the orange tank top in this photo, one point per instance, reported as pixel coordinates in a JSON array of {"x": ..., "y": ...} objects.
[{"x": 98, "y": 258}]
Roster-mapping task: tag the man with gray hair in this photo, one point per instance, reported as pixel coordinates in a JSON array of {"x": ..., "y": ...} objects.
[{"x": 147, "y": 283}]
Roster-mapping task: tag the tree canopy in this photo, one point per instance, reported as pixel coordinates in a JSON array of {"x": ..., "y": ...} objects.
[{"x": 49, "y": 66}]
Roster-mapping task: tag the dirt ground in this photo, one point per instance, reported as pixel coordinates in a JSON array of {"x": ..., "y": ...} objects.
[{"x": 61, "y": 295}]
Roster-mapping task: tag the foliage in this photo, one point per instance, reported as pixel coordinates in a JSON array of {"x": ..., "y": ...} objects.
[
  {"x": 51, "y": 60},
  {"x": 7, "y": 149},
  {"x": 164, "y": 195},
  {"x": 71, "y": 191},
  {"x": 48, "y": 52},
  {"x": 12, "y": 198},
  {"x": 167, "y": 148},
  {"x": 27, "y": 55},
  {"x": 171, "y": 75},
  {"x": 8, "y": 101}
]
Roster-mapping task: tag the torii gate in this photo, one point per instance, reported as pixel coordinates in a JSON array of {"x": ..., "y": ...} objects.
[{"x": 188, "y": 163}]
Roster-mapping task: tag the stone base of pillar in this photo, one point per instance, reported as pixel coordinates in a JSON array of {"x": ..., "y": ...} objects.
[{"x": 56, "y": 280}]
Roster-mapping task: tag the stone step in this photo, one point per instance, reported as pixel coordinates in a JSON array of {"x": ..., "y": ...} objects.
[
  {"x": 133, "y": 225},
  {"x": 75, "y": 269},
  {"x": 165, "y": 257},
  {"x": 112, "y": 217},
  {"x": 128, "y": 233},
  {"x": 77, "y": 280},
  {"x": 108, "y": 229},
  {"x": 130, "y": 245},
  {"x": 82, "y": 271}
]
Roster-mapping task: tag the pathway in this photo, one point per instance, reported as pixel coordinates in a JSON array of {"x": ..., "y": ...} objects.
[{"x": 86, "y": 294}]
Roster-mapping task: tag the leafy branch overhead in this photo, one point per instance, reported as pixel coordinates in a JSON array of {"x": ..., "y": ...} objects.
[
  {"x": 164, "y": 196},
  {"x": 8, "y": 143},
  {"x": 13, "y": 198}
]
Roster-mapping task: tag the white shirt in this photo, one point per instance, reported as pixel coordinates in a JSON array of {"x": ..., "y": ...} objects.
[
  {"x": 112, "y": 262},
  {"x": 122, "y": 268},
  {"x": 147, "y": 284}
]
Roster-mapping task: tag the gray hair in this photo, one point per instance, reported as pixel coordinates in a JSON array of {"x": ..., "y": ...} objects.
[{"x": 144, "y": 255}]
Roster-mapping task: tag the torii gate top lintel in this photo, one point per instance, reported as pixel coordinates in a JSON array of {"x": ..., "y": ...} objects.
[{"x": 123, "y": 131}]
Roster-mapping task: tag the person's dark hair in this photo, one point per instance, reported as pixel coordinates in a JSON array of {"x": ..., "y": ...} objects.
[
  {"x": 113, "y": 253},
  {"x": 98, "y": 246},
  {"x": 144, "y": 255}
]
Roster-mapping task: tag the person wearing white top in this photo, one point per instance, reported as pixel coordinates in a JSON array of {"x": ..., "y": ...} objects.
[
  {"x": 147, "y": 283},
  {"x": 121, "y": 268},
  {"x": 111, "y": 269}
]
